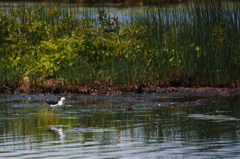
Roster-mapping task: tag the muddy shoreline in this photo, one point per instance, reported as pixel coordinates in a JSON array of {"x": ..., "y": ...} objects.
[
  {"x": 114, "y": 90},
  {"x": 151, "y": 96}
]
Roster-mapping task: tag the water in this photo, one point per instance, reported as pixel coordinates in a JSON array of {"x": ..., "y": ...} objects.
[{"x": 158, "y": 126}]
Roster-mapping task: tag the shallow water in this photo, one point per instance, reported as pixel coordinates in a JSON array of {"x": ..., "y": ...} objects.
[{"x": 154, "y": 128}]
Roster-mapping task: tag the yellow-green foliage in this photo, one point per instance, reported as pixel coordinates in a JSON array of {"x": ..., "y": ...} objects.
[{"x": 50, "y": 42}]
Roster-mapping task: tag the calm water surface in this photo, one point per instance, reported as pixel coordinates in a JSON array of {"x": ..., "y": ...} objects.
[{"x": 158, "y": 126}]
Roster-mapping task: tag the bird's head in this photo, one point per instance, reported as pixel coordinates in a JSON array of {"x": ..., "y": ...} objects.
[{"x": 63, "y": 99}]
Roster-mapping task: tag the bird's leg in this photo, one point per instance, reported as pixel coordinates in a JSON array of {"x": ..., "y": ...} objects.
[
  {"x": 48, "y": 111},
  {"x": 47, "y": 114},
  {"x": 53, "y": 114},
  {"x": 48, "y": 120}
]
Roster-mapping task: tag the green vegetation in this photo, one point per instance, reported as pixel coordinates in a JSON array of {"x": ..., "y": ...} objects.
[{"x": 198, "y": 43}]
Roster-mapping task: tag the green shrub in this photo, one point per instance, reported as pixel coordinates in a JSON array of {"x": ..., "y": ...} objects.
[{"x": 198, "y": 41}]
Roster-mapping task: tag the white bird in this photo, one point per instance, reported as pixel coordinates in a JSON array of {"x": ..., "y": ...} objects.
[{"x": 56, "y": 104}]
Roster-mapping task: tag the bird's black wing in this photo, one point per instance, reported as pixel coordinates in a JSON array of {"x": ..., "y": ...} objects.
[{"x": 51, "y": 102}]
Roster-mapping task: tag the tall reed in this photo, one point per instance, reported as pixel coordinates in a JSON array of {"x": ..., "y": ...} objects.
[{"x": 195, "y": 43}]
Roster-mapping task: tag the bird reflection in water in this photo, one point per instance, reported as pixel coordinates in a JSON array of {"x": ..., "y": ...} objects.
[{"x": 57, "y": 129}]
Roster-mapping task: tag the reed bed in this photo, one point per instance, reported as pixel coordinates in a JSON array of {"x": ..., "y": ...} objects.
[{"x": 196, "y": 44}]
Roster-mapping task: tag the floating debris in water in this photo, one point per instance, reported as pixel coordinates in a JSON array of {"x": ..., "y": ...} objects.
[{"x": 216, "y": 118}]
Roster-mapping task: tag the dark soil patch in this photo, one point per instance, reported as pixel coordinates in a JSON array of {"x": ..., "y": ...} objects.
[{"x": 104, "y": 89}]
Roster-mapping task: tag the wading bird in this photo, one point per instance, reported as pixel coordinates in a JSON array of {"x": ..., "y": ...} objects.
[{"x": 56, "y": 104}]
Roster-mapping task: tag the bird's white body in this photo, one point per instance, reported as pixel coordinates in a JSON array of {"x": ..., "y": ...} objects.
[
  {"x": 59, "y": 105},
  {"x": 56, "y": 105}
]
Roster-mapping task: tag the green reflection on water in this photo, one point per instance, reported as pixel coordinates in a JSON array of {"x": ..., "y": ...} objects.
[{"x": 24, "y": 125}]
